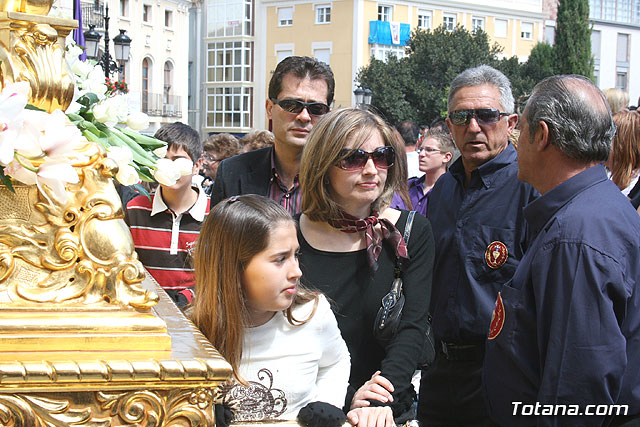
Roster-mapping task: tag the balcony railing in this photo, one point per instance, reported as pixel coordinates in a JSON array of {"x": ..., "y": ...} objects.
[
  {"x": 93, "y": 13},
  {"x": 157, "y": 104}
]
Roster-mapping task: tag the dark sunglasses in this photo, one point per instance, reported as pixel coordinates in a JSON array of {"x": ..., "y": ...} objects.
[
  {"x": 382, "y": 157},
  {"x": 484, "y": 116},
  {"x": 294, "y": 106}
]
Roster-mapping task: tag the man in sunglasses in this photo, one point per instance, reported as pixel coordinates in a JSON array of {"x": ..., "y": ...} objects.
[
  {"x": 567, "y": 329},
  {"x": 475, "y": 211},
  {"x": 300, "y": 92}
]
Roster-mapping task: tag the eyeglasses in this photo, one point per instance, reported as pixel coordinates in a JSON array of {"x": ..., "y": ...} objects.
[
  {"x": 294, "y": 106},
  {"x": 484, "y": 116},
  {"x": 382, "y": 157},
  {"x": 428, "y": 150},
  {"x": 209, "y": 158}
]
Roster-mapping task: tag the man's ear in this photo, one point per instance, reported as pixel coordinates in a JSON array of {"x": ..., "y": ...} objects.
[
  {"x": 269, "y": 106},
  {"x": 447, "y": 157},
  {"x": 197, "y": 166},
  {"x": 541, "y": 137},
  {"x": 512, "y": 122}
]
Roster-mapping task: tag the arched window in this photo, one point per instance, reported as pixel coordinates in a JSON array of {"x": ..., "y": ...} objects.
[
  {"x": 168, "y": 81},
  {"x": 146, "y": 73}
]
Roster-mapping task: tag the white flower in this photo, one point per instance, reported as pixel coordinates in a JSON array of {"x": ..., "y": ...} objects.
[
  {"x": 111, "y": 111},
  {"x": 121, "y": 155},
  {"x": 94, "y": 81},
  {"x": 13, "y": 99},
  {"x": 160, "y": 151},
  {"x": 167, "y": 172},
  {"x": 81, "y": 69},
  {"x": 54, "y": 173},
  {"x": 127, "y": 175},
  {"x": 18, "y": 172},
  {"x": 138, "y": 121},
  {"x": 185, "y": 166}
]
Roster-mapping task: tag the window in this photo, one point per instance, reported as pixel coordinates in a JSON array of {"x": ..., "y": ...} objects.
[
  {"x": 168, "y": 18},
  {"x": 229, "y": 107},
  {"x": 322, "y": 55},
  {"x": 477, "y": 24},
  {"x": 383, "y": 51},
  {"x": 501, "y": 28},
  {"x": 229, "y": 61},
  {"x": 322, "y": 51},
  {"x": 229, "y": 18},
  {"x": 550, "y": 34},
  {"x": 124, "y": 8},
  {"x": 424, "y": 19},
  {"x": 595, "y": 46},
  {"x": 146, "y": 66},
  {"x": 146, "y": 13},
  {"x": 622, "y": 54},
  {"x": 323, "y": 14},
  {"x": 285, "y": 16},
  {"x": 621, "y": 80},
  {"x": 449, "y": 21},
  {"x": 168, "y": 80},
  {"x": 385, "y": 13},
  {"x": 526, "y": 30}
]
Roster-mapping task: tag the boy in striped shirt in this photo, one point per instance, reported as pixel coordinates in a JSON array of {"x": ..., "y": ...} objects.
[{"x": 165, "y": 228}]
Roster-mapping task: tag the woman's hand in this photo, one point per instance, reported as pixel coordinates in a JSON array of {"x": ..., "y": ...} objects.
[
  {"x": 379, "y": 416},
  {"x": 377, "y": 388}
]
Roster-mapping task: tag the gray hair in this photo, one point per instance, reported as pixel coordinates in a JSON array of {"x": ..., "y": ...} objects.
[
  {"x": 483, "y": 75},
  {"x": 579, "y": 127}
]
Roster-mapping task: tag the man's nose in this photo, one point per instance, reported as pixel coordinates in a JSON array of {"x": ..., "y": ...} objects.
[{"x": 304, "y": 115}]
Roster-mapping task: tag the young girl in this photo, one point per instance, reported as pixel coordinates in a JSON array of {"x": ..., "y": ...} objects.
[{"x": 282, "y": 341}]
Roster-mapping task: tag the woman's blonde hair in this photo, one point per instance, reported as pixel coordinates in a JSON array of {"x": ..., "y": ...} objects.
[
  {"x": 323, "y": 150},
  {"x": 618, "y": 100},
  {"x": 625, "y": 150},
  {"x": 235, "y": 231}
]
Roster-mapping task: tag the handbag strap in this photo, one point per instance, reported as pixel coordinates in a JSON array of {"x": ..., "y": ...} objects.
[{"x": 397, "y": 271}]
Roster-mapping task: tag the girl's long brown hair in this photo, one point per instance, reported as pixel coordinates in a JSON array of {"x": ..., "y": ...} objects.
[
  {"x": 625, "y": 151},
  {"x": 235, "y": 231}
]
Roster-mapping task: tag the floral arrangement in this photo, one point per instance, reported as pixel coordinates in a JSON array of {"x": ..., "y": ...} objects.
[
  {"x": 116, "y": 86},
  {"x": 37, "y": 147}
]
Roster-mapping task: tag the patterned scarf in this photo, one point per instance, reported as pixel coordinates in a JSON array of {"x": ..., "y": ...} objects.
[{"x": 373, "y": 237}]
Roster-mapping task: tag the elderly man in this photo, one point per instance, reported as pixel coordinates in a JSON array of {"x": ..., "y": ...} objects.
[
  {"x": 476, "y": 213},
  {"x": 564, "y": 342},
  {"x": 300, "y": 93}
]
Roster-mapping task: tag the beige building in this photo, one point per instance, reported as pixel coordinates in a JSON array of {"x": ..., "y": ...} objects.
[
  {"x": 245, "y": 40},
  {"x": 157, "y": 70}
]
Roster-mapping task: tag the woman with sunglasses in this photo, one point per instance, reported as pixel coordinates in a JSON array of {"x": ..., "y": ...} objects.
[{"x": 350, "y": 242}]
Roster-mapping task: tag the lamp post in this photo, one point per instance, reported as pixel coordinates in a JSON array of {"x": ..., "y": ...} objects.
[
  {"x": 363, "y": 97},
  {"x": 122, "y": 43}
]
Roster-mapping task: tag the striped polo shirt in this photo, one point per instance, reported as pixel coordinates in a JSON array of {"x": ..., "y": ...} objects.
[{"x": 165, "y": 241}]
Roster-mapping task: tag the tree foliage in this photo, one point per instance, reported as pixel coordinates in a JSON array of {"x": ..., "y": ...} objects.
[
  {"x": 416, "y": 87},
  {"x": 573, "y": 38}
]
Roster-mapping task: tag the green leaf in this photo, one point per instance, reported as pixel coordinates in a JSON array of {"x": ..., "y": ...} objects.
[
  {"x": 6, "y": 180},
  {"x": 88, "y": 99},
  {"x": 140, "y": 189},
  {"x": 32, "y": 107}
]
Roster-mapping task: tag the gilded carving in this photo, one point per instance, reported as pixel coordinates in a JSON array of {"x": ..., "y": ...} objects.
[
  {"x": 79, "y": 248},
  {"x": 24, "y": 410},
  {"x": 33, "y": 51}
]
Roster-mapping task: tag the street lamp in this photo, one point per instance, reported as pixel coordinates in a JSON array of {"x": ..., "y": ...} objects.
[
  {"x": 122, "y": 43},
  {"x": 363, "y": 97}
]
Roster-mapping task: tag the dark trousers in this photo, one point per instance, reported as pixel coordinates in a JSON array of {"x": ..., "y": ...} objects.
[{"x": 451, "y": 394}]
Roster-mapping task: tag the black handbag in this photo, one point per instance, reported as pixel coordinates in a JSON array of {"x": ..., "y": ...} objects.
[{"x": 389, "y": 315}]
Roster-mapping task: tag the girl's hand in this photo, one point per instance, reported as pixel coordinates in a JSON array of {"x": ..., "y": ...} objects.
[
  {"x": 377, "y": 388},
  {"x": 380, "y": 416}
]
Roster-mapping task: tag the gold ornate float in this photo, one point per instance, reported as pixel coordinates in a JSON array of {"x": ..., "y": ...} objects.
[{"x": 85, "y": 338}]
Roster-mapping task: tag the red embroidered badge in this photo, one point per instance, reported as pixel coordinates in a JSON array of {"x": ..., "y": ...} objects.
[
  {"x": 496, "y": 254},
  {"x": 497, "y": 318}
]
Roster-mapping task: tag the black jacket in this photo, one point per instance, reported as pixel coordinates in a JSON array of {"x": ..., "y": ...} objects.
[{"x": 247, "y": 173}]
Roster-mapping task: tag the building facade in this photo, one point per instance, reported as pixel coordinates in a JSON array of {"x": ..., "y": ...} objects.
[
  {"x": 244, "y": 41},
  {"x": 157, "y": 70}
]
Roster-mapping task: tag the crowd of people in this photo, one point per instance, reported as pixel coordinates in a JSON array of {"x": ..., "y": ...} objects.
[{"x": 327, "y": 259}]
